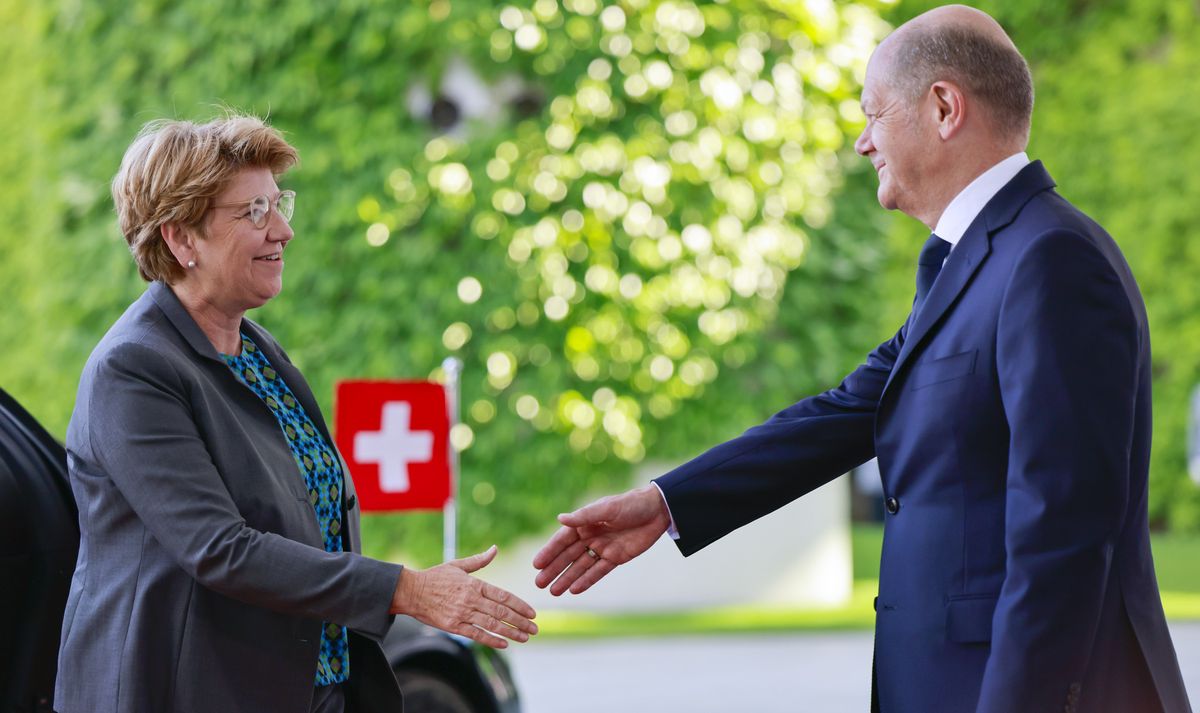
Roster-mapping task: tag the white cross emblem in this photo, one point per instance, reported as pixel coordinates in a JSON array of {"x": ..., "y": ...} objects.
[{"x": 394, "y": 446}]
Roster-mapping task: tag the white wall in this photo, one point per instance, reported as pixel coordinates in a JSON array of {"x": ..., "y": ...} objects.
[{"x": 798, "y": 556}]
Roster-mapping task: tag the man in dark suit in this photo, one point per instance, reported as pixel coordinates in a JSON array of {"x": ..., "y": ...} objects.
[{"x": 1010, "y": 415}]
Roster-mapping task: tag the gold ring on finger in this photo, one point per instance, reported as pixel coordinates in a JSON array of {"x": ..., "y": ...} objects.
[{"x": 592, "y": 553}]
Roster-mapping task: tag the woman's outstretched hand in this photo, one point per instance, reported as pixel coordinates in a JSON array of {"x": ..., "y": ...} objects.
[{"x": 449, "y": 598}]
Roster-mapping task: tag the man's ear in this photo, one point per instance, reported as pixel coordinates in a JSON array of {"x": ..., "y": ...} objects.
[
  {"x": 949, "y": 106},
  {"x": 180, "y": 242}
]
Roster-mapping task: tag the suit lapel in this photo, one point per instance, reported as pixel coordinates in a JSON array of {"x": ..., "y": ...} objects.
[
  {"x": 962, "y": 264},
  {"x": 967, "y": 257}
]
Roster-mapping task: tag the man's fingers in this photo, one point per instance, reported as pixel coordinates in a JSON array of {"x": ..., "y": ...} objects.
[
  {"x": 594, "y": 574},
  {"x": 588, "y": 533},
  {"x": 564, "y": 538},
  {"x": 574, "y": 572},
  {"x": 475, "y": 562},
  {"x": 599, "y": 511},
  {"x": 564, "y": 559},
  {"x": 511, "y": 606}
]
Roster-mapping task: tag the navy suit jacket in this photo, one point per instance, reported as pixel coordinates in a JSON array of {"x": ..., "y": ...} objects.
[{"x": 1011, "y": 418}]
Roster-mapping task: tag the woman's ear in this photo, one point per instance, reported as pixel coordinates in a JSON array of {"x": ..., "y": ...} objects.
[{"x": 180, "y": 242}]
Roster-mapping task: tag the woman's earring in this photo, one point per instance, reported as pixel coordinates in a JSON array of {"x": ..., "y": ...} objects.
[{"x": 191, "y": 264}]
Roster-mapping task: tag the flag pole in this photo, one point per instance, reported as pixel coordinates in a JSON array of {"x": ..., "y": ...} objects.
[{"x": 452, "y": 366}]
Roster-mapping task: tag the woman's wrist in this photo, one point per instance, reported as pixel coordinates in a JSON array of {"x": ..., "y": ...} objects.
[{"x": 408, "y": 590}]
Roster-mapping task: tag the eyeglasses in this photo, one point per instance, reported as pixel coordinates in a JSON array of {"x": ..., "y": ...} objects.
[{"x": 258, "y": 209}]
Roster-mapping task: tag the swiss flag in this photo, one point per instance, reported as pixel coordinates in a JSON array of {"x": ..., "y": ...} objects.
[{"x": 395, "y": 437}]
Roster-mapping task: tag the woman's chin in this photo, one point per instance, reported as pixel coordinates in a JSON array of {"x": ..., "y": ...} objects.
[{"x": 264, "y": 294}]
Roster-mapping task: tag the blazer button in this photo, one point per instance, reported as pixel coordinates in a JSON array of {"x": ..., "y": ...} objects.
[{"x": 892, "y": 505}]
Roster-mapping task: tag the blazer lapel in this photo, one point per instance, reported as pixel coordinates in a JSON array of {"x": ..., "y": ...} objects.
[
  {"x": 178, "y": 316},
  {"x": 969, "y": 255},
  {"x": 350, "y": 507},
  {"x": 296, "y": 382},
  {"x": 291, "y": 375},
  {"x": 170, "y": 305}
]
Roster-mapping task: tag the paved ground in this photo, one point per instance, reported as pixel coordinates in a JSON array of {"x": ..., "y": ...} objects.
[{"x": 821, "y": 673}]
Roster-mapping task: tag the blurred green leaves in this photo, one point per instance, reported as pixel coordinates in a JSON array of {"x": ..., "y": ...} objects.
[
  {"x": 634, "y": 249},
  {"x": 654, "y": 237},
  {"x": 648, "y": 216}
]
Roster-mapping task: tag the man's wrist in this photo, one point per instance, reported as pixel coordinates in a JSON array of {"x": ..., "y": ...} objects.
[{"x": 662, "y": 497}]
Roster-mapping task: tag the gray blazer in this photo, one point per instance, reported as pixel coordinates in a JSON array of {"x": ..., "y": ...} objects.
[{"x": 202, "y": 580}]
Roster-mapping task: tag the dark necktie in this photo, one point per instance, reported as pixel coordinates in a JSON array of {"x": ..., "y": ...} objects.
[{"x": 929, "y": 264}]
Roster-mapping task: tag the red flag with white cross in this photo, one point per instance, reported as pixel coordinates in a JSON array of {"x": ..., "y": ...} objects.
[{"x": 395, "y": 437}]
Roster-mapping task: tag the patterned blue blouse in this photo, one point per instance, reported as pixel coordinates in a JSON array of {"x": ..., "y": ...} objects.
[{"x": 322, "y": 474}]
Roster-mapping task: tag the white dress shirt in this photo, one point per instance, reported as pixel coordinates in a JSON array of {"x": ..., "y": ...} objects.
[{"x": 969, "y": 202}]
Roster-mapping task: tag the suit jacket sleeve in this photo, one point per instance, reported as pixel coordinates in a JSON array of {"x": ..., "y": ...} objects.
[
  {"x": 143, "y": 438},
  {"x": 1067, "y": 360},
  {"x": 796, "y": 451}
]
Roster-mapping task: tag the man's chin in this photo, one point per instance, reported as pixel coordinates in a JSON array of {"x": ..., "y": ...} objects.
[{"x": 886, "y": 199}]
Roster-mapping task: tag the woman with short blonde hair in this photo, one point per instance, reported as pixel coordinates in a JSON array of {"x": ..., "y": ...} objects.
[
  {"x": 173, "y": 171},
  {"x": 219, "y": 568}
]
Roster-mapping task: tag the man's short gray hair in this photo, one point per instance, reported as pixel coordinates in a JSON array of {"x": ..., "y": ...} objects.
[{"x": 991, "y": 71}]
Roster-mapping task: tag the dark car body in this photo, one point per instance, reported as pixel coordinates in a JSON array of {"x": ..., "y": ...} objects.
[{"x": 39, "y": 541}]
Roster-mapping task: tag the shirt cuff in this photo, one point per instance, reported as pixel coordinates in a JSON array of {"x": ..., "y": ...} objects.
[{"x": 671, "y": 529}]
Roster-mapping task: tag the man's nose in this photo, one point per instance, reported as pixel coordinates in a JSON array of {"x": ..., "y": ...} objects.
[{"x": 862, "y": 145}]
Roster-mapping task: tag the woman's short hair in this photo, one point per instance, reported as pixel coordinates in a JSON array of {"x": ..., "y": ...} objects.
[{"x": 172, "y": 172}]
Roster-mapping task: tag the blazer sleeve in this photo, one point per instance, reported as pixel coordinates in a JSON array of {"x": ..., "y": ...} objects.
[
  {"x": 1068, "y": 353},
  {"x": 143, "y": 437},
  {"x": 794, "y": 452}
]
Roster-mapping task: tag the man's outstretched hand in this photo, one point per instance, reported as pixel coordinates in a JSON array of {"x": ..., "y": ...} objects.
[{"x": 596, "y": 538}]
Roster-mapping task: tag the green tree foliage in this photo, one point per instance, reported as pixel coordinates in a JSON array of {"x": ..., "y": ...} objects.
[
  {"x": 642, "y": 260},
  {"x": 1112, "y": 123}
]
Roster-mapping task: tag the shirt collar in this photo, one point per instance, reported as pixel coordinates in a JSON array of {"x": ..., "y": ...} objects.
[{"x": 963, "y": 210}]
